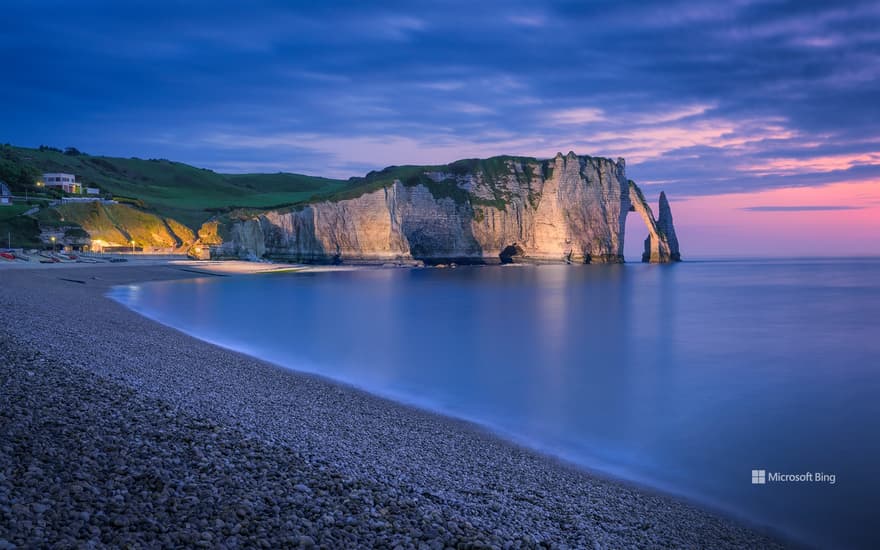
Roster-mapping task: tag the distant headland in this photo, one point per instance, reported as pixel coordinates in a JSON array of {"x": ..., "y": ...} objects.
[{"x": 570, "y": 208}]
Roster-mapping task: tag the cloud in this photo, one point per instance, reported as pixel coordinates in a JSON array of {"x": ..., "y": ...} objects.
[
  {"x": 701, "y": 98},
  {"x": 822, "y": 163},
  {"x": 353, "y": 156},
  {"x": 806, "y": 208},
  {"x": 582, "y": 115},
  {"x": 674, "y": 115},
  {"x": 679, "y": 138},
  {"x": 443, "y": 85},
  {"x": 397, "y": 27},
  {"x": 528, "y": 20},
  {"x": 471, "y": 108}
]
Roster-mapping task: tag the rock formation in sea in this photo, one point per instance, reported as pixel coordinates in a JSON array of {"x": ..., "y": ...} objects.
[
  {"x": 661, "y": 244},
  {"x": 569, "y": 208}
]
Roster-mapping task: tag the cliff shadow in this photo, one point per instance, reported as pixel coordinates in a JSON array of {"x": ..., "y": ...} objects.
[{"x": 444, "y": 236}]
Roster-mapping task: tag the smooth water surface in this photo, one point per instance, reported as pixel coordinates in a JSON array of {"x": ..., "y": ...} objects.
[{"x": 683, "y": 377}]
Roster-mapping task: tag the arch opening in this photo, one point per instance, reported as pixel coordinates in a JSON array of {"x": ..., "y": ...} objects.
[
  {"x": 634, "y": 234},
  {"x": 510, "y": 253}
]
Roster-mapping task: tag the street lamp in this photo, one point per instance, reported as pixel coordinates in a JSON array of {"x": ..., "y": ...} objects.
[
  {"x": 132, "y": 245},
  {"x": 53, "y": 244}
]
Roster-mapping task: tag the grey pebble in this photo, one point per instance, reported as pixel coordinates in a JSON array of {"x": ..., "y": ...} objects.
[{"x": 119, "y": 432}]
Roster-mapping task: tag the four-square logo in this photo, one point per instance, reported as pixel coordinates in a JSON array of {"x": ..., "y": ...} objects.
[{"x": 759, "y": 477}]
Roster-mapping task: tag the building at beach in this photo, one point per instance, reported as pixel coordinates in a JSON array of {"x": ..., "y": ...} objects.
[
  {"x": 67, "y": 182},
  {"x": 5, "y": 195}
]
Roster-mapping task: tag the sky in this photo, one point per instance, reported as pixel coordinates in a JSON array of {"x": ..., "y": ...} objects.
[{"x": 759, "y": 118}]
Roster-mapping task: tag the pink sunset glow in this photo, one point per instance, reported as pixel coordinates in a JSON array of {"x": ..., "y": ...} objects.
[
  {"x": 828, "y": 163},
  {"x": 829, "y": 220}
]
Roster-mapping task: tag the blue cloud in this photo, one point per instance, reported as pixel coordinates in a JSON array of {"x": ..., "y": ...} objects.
[{"x": 701, "y": 97}]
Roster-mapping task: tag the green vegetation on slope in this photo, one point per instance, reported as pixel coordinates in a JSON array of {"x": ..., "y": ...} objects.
[
  {"x": 176, "y": 191},
  {"x": 21, "y": 230},
  {"x": 118, "y": 224},
  {"x": 493, "y": 170},
  {"x": 13, "y": 210},
  {"x": 170, "y": 189},
  {"x": 115, "y": 224}
]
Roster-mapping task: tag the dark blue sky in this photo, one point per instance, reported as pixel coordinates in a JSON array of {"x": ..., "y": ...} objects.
[{"x": 700, "y": 98}]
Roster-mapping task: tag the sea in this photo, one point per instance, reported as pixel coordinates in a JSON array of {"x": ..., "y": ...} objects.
[{"x": 750, "y": 387}]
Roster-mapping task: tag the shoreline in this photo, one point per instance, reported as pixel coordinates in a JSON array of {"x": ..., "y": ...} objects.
[
  {"x": 605, "y": 472},
  {"x": 447, "y": 465}
]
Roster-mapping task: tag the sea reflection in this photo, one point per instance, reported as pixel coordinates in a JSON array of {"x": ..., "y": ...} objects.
[{"x": 684, "y": 377}]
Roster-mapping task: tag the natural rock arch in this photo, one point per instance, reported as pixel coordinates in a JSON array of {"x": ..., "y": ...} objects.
[{"x": 661, "y": 245}]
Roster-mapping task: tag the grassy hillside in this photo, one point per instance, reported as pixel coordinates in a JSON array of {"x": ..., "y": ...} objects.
[
  {"x": 193, "y": 195},
  {"x": 491, "y": 170},
  {"x": 118, "y": 224},
  {"x": 21, "y": 230},
  {"x": 170, "y": 189},
  {"x": 173, "y": 199}
]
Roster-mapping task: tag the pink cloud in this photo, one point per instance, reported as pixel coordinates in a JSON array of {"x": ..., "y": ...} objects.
[
  {"x": 824, "y": 163},
  {"x": 722, "y": 222},
  {"x": 640, "y": 142},
  {"x": 582, "y": 115},
  {"x": 675, "y": 115}
]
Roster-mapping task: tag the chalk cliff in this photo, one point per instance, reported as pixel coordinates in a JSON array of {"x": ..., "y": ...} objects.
[{"x": 567, "y": 209}]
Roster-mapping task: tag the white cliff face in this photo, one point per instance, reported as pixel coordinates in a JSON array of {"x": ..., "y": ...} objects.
[{"x": 569, "y": 208}]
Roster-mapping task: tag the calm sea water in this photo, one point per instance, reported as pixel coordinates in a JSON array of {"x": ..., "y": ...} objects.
[{"x": 683, "y": 377}]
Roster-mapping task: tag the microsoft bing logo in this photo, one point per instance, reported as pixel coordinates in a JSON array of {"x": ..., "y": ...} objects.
[{"x": 759, "y": 477}]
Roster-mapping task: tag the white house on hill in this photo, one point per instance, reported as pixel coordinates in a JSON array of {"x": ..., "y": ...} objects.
[
  {"x": 5, "y": 195},
  {"x": 67, "y": 182}
]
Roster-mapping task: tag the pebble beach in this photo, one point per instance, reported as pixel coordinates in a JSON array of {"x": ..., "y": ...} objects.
[{"x": 116, "y": 430}]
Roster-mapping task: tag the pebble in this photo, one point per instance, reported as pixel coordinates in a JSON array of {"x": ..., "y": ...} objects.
[{"x": 118, "y": 432}]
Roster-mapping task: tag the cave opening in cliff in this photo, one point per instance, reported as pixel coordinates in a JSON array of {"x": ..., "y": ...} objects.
[{"x": 509, "y": 254}]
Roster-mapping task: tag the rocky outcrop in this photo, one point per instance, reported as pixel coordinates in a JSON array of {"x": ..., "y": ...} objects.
[
  {"x": 661, "y": 245},
  {"x": 667, "y": 230},
  {"x": 567, "y": 209}
]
